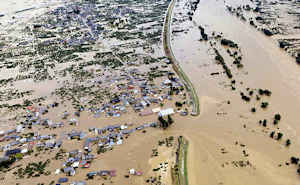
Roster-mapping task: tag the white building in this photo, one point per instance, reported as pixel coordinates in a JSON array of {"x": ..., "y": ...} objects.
[{"x": 166, "y": 112}]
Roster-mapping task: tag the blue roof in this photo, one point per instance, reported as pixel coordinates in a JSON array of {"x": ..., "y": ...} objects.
[
  {"x": 62, "y": 180},
  {"x": 12, "y": 152}
]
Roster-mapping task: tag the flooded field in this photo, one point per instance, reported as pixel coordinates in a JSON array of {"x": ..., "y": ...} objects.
[{"x": 229, "y": 128}]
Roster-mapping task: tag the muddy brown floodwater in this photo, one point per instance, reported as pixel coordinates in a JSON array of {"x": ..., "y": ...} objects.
[
  {"x": 266, "y": 67},
  {"x": 227, "y": 145}
]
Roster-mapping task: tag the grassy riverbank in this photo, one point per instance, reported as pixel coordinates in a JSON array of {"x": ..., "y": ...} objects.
[{"x": 179, "y": 172}]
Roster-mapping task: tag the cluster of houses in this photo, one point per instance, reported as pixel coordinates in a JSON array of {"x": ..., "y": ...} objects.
[
  {"x": 138, "y": 93},
  {"x": 117, "y": 105},
  {"x": 75, "y": 17},
  {"x": 89, "y": 18},
  {"x": 81, "y": 24},
  {"x": 76, "y": 159},
  {"x": 14, "y": 139},
  {"x": 104, "y": 138}
]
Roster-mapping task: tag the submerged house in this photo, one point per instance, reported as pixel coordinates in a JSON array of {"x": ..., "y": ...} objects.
[
  {"x": 12, "y": 152},
  {"x": 69, "y": 171}
]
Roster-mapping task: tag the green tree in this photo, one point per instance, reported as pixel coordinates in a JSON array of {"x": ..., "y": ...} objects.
[
  {"x": 19, "y": 156},
  {"x": 287, "y": 142},
  {"x": 264, "y": 105},
  {"x": 294, "y": 160},
  {"x": 178, "y": 104},
  {"x": 265, "y": 123},
  {"x": 163, "y": 123},
  {"x": 272, "y": 134},
  {"x": 279, "y": 136},
  {"x": 170, "y": 120},
  {"x": 277, "y": 117}
]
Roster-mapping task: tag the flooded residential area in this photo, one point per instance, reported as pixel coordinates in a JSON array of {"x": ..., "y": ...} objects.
[{"x": 158, "y": 92}]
